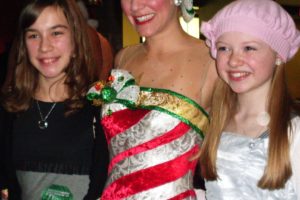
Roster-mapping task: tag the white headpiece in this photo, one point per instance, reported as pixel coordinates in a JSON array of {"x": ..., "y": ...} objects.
[{"x": 186, "y": 8}]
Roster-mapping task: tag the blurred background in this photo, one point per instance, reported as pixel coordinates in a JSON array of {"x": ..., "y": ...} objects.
[{"x": 106, "y": 16}]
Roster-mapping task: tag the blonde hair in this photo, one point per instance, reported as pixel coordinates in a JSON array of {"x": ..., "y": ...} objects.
[{"x": 278, "y": 169}]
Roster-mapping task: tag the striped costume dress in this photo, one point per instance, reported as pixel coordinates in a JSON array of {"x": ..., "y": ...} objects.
[{"x": 152, "y": 134}]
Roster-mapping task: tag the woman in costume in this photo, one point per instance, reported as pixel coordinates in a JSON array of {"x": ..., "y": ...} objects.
[{"x": 155, "y": 105}]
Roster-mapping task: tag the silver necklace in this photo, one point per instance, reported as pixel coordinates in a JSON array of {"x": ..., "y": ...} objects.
[{"x": 43, "y": 123}]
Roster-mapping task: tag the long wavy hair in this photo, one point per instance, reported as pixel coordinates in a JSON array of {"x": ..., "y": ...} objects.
[
  {"x": 21, "y": 85},
  {"x": 278, "y": 169}
]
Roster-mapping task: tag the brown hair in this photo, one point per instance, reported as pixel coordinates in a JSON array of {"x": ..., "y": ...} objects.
[
  {"x": 278, "y": 169},
  {"x": 21, "y": 84}
]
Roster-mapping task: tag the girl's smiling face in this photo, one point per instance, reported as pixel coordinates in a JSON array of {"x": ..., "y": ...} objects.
[
  {"x": 244, "y": 62},
  {"x": 49, "y": 43}
]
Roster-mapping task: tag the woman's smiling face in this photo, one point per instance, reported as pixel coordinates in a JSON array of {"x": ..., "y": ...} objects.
[{"x": 149, "y": 17}]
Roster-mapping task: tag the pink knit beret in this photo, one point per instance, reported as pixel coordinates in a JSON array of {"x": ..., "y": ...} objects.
[{"x": 264, "y": 19}]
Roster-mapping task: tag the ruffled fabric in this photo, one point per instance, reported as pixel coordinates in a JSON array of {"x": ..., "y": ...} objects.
[{"x": 120, "y": 88}]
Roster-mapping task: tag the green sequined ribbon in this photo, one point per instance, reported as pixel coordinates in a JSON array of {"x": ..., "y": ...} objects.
[
  {"x": 57, "y": 192},
  {"x": 176, "y": 105},
  {"x": 108, "y": 94}
]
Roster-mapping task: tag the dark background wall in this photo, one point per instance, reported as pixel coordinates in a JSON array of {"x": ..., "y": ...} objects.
[
  {"x": 109, "y": 15},
  {"x": 8, "y": 21},
  {"x": 107, "y": 12}
]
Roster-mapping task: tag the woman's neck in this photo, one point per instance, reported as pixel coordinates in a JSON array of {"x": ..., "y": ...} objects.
[
  {"x": 160, "y": 47},
  {"x": 166, "y": 41}
]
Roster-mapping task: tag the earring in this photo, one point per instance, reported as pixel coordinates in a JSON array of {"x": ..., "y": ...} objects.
[
  {"x": 177, "y": 2},
  {"x": 278, "y": 62}
]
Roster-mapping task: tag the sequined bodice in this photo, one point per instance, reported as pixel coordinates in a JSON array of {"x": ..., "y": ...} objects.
[{"x": 152, "y": 134}]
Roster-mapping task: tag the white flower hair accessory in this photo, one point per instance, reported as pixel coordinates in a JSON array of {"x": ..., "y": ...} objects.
[{"x": 187, "y": 10}]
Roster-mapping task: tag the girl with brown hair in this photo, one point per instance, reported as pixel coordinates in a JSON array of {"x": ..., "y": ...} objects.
[{"x": 54, "y": 144}]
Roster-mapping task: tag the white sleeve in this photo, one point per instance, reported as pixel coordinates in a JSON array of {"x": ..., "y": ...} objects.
[{"x": 295, "y": 154}]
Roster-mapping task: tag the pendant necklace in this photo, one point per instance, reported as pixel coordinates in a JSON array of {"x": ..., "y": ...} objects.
[{"x": 43, "y": 123}]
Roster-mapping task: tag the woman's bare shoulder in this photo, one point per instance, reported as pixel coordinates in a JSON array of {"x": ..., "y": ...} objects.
[
  {"x": 199, "y": 52},
  {"x": 124, "y": 55},
  {"x": 200, "y": 45}
]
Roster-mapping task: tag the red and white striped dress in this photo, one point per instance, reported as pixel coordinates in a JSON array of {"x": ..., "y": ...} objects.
[{"x": 151, "y": 143}]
